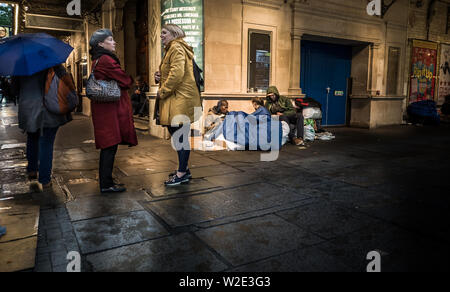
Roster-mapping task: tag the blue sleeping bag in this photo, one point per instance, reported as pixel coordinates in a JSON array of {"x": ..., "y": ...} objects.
[
  {"x": 257, "y": 131},
  {"x": 424, "y": 111}
]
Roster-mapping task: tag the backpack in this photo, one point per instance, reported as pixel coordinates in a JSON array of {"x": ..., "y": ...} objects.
[
  {"x": 198, "y": 76},
  {"x": 307, "y": 102},
  {"x": 60, "y": 96}
]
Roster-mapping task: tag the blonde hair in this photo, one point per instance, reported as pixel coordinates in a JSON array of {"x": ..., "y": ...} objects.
[{"x": 175, "y": 30}]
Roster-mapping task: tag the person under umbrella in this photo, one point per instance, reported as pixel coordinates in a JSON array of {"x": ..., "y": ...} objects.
[{"x": 28, "y": 57}]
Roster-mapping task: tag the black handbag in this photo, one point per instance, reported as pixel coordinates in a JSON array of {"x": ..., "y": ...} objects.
[{"x": 102, "y": 91}]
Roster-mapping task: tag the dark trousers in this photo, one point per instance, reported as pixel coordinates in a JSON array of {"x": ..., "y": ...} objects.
[
  {"x": 107, "y": 157},
  {"x": 298, "y": 122},
  {"x": 40, "y": 153},
  {"x": 183, "y": 154}
]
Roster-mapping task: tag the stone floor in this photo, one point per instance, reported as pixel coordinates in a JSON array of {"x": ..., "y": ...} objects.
[{"x": 323, "y": 208}]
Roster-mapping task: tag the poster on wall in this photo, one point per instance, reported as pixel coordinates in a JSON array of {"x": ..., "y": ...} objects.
[
  {"x": 188, "y": 14},
  {"x": 423, "y": 71},
  {"x": 444, "y": 74}
]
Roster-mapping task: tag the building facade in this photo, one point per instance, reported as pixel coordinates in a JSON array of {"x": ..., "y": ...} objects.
[{"x": 358, "y": 66}]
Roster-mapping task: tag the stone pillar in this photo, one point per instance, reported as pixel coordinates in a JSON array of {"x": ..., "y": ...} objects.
[
  {"x": 154, "y": 42},
  {"x": 374, "y": 83},
  {"x": 294, "y": 76},
  {"x": 118, "y": 29},
  {"x": 154, "y": 31}
]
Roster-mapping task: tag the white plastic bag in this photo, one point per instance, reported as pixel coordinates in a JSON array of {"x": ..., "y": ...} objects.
[
  {"x": 310, "y": 133},
  {"x": 312, "y": 113}
]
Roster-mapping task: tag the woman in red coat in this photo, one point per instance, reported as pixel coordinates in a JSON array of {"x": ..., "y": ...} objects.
[{"x": 113, "y": 122}]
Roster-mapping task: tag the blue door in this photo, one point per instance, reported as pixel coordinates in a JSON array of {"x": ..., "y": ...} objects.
[{"x": 325, "y": 69}]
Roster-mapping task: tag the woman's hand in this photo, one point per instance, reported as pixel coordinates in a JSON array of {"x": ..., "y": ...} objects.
[{"x": 157, "y": 77}]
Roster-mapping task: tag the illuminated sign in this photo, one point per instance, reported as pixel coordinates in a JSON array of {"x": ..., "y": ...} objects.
[{"x": 188, "y": 14}]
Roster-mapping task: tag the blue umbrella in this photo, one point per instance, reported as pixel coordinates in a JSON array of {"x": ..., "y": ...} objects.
[{"x": 27, "y": 54}]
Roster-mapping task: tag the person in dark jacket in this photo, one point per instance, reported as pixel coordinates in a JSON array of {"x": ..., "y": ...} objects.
[
  {"x": 139, "y": 98},
  {"x": 113, "y": 122},
  {"x": 40, "y": 125},
  {"x": 282, "y": 107}
]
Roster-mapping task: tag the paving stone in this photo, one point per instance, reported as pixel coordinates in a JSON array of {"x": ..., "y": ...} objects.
[
  {"x": 221, "y": 204},
  {"x": 326, "y": 220},
  {"x": 21, "y": 217},
  {"x": 216, "y": 170},
  {"x": 15, "y": 164},
  {"x": 154, "y": 185},
  {"x": 149, "y": 168},
  {"x": 389, "y": 241},
  {"x": 100, "y": 206},
  {"x": 307, "y": 260},
  {"x": 83, "y": 189},
  {"x": 180, "y": 253},
  {"x": 256, "y": 239},
  {"x": 18, "y": 255},
  {"x": 116, "y": 231}
]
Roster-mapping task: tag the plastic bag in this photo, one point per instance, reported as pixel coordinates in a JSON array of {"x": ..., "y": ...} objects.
[
  {"x": 312, "y": 113},
  {"x": 310, "y": 133}
]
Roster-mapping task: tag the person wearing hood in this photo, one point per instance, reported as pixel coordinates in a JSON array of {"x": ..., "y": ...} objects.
[
  {"x": 178, "y": 96},
  {"x": 282, "y": 107},
  {"x": 113, "y": 121}
]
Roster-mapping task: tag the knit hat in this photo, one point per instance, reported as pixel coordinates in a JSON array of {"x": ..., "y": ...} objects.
[{"x": 99, "y": 36}]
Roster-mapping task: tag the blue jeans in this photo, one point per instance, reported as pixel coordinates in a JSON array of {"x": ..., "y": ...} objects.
[
  {"x": 40, "y": 153},
  {"x": 183, "y": 154}
]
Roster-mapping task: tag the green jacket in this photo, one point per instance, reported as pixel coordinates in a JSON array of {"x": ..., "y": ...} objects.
[{"x": 283, "y": 103}]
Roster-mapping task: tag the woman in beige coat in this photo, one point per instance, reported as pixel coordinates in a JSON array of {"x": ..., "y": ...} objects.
[{"x": 178, "y": 96}]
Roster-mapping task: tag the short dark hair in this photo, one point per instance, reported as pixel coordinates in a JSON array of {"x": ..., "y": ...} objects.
[{"x": 258, "y": 100}]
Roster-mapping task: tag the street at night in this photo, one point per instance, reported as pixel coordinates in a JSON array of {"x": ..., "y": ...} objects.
[{"x": 224, "y": 143}]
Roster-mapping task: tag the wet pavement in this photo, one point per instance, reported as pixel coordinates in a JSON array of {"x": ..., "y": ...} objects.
[{"x": 323, "y": 208}]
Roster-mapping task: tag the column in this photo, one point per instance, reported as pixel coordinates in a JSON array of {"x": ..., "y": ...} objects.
[
  {"x": 294, "y": 78},
  {"x": 154, "y": 31}
]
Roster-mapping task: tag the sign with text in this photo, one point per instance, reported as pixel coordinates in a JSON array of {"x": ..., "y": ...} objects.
[
  {"x": 444, "y": 74},
  {"x": 187, "y": 14},
  {"x": 423, "y": 71}
]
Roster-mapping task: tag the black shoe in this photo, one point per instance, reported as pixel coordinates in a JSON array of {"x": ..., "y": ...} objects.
[
  {"x": 188, "y": 174},
  {"x": 114, "y": 189},
  {"x": 176, "y": 181}
]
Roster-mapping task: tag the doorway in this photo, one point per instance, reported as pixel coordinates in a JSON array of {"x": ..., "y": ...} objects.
[{"x": 325, "y": 70}]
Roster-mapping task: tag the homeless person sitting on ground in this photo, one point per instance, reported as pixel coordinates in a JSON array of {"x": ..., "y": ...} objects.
[
  {"x": 256, "y": 131},
  {"x": 282, "y": 106},
  {"x": 216, "y": 116}
]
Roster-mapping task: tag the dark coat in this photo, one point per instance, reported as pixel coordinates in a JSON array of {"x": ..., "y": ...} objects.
[
  {"x": 33, "y": 115},
  {"x": 113, "y": 122}
]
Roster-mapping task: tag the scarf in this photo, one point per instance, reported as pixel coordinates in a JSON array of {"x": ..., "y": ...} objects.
[{"x": 98, "y": 51}]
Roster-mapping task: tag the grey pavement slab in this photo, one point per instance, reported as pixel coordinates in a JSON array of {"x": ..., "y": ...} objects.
[
  {"x": 180, "y": 253},
  {"x": 8, "y": 164},
  {"x": 149, "y": 168},
  {"x": 8, "y": 176},
  {"x": 400, "y": 250},
  {"x": 115, "y": 231},
  {"x": 235, "y": 179},
  {"x": 306, "y": 260},
  {"x": 256, "y": 239},
  {"x": 203, "y": 208},
  {"x": 101, "y": 206},
  {"x": 18, "y": 255},
  {"x": 326, "y": 220},
  {"x": 216, "y": 170},
  {"x": 154, "y": 185}
]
